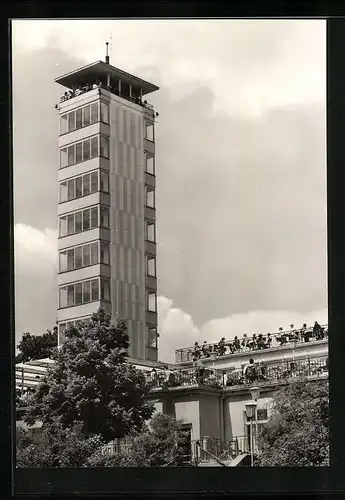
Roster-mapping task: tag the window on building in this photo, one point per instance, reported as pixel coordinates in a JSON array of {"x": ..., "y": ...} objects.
[
  {"x": 105, "y": 257},
  {"x": 105, "y": 290},
  {"x": 70, "y": 224},
  {"x": 150, "y": 231},
  {"x": 104, "y": 146},
  {"x": 104, "y": 217},
  {"x": 79, "y": 118},
  {"x": 70, "y": 259},
  {"x": 152, "y": 337},
  {"x": 86, "y": 184},
  {"x": 70, "y": 295},
  {"x": 94, "y": 217},
  {"x": 63, "y": 191},
  {"x": 78, "y": 222},
  {"x": 71, "y": 154},
  {"x": 151, "y": 265},
  {"x": 149, "y": 131},
  {"x": 71, "y": 121},
  {"x": 104, "y": 112},
  {"x": 104, "y": 182},
  {"x": 78, "y": 293},
  {"x": 63, "y": 297},
  {"x": 95, "y": 289},
  {"x": 94, "y": 112},
  {"x": 94, "y": 182},
  {"x": 83, "y": 151},
  {"x": 63, "y": 261},
  {"x": 149, "y": 164},
  {"x": 86, "y": 220},
  {"x": 149, "y": 197},
  {"x": 79, "y": 187},
  {"x": 79, "y": 152},
  {"x": 86, "y": 116},
  {"x": 86, "y": 255},
  {"x": 151, "y": 302},
  {"x": 94, "y": 253},
  {"x": 94, "y": 147},
  {"x": 71, "y": 189},
  {"x": 63, "y": 157},
  {"x": 86, "y": 150},
  {"x": 86, "y": 291},
  {"x": 78, "y": 257},
  {"x": 64, "y": 124}
]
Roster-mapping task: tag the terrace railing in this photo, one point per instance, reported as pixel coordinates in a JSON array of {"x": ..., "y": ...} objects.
[
  {"x": 261, "y": 373},
  {"x": 248, "y": 344}
]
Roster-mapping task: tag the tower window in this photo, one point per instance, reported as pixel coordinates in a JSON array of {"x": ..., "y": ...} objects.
[
  {"x": 79, "y": 186},
  {"x": 104, "y": 112},
  {"x": 151, "y": 303},
  {"x": 152, "y": 337},
  {"x": 149, "y": 197},
  {"x": 83, "y": 151},
  {"x": 80, "y": 292},
  {"x": 83, "y": 221},
  {"x": 150, "y": 231},
  {"x": 151, "y": 265},
  {"x": 82, "y": 117},
  {"x": 149, "y": 131},
  {"x": 149, "y": 164}
]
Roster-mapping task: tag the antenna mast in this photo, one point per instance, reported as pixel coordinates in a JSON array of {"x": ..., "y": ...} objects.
[{"x": 107, "y": 54}]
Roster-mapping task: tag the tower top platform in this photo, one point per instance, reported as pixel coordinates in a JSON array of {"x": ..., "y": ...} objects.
[{"x": 101, "y": 71}]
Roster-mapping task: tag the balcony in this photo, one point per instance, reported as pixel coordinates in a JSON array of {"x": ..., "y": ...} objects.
[
  {"x": 263, "y": 374},
  {"x": 246, "y": 344},
  {"x": 98, "y": 85}
]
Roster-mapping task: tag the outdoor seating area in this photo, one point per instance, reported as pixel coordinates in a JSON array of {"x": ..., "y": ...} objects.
[
  {"x": 248, "y": 374},
  {"x": 254, "y": 343},
  {"x": 98, "y": 85}
]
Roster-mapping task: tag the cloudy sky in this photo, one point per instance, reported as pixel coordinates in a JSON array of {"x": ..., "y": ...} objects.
[{"x": 241, "y": 175}]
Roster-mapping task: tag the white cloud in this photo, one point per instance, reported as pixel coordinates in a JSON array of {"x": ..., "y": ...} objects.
[
  {"x": 249, "y": 65},
  {"x": 177, "y": 329},
  {"x": 33, "y": 246}
]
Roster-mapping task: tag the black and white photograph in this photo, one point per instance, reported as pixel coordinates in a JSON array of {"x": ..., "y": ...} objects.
[{"x": 170, "y": 243}]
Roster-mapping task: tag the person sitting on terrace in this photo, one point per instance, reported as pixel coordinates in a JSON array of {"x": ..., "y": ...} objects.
[
  {"x": 282, "y": 339},
  {"x": 196, "y": 352},
  {"x": 268, "y": 341},
  {"x": 221, "y": 347},
  {"x": 244, "y": 343},
  {"x": 205, "y": 350},
  {"x": 261, "y": 344},
  {"x": 249, "y": 372},
  {"x": 317, "y": 331}
]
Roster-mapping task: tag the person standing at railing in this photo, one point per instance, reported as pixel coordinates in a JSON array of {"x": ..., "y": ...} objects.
[
  {"x": 221, "y": 347},
  {"x": 205, "y": 350},
  {"x": 249, "y": 371},
  {"x": 196, "y": 352},
  {"x": 268, "y": 341}
]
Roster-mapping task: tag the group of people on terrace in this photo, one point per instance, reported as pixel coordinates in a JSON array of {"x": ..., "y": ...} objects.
[
  {"x": 97, "y": 85},
  {"x": 249, "y": 373},
  {"x": 260, "y": 341}
]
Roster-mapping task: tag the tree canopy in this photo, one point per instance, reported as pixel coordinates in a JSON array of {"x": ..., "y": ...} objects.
[
  {"x": 162, "y": 443},
  {"x": 37, "y": 346},
  {"x": 297, "y": 433},
  {"x": 91, "y": 384}
]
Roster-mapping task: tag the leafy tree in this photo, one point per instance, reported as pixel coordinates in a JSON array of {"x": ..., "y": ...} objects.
[
  {"x": 162, "y": 443},
  {"x": 54, "y": 446},
  {"x": 91, "y": 384},
  {"x": 297, "y": 433},
  {"x": 37, "y": 346}
]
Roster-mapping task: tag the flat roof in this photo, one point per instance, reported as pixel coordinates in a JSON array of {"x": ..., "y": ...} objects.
[{"x": 100, "y": 69}]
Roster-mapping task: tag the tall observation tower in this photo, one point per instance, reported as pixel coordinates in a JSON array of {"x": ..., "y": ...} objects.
[{"x": 106, "y": 204}]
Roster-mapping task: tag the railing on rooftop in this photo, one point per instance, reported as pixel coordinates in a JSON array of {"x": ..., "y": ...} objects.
[
  {"x": 248, "y": 344},
  {"x": 88, "y": 87},
  {"x": 261, "y": 373}
]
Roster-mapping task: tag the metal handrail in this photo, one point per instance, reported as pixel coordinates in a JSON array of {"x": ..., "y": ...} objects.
[
  {"x": 216, "y": 459},
  {"x": 288, "y": 337}
]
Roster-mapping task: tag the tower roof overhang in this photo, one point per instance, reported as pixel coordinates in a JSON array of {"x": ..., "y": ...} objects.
[{"x": 98, "y": 70}]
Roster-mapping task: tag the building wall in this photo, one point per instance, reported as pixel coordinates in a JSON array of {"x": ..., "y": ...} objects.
[
  {"x": 127, "y": 220},
  {"x": 188, "y": 410},
  {"x": 211, "y": 415}
]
